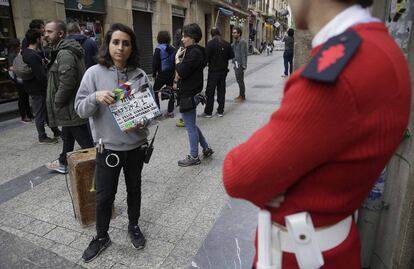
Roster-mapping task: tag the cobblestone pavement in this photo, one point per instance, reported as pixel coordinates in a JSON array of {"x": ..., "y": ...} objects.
[{"x": 179, "y": 205}]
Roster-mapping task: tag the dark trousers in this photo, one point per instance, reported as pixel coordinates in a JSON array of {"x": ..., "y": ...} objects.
[
  {"x": 39, "y": 109},
  {"x": 23, "y": 103},
  {"x": 239, "y": 72},
  {"x": 288, "y": 61},
  {"x": 215, "y": 79},
  {"x": 108, "y": 168},
  {"x": 79, "y": 133},
  {"x": 160, "y": 81}
]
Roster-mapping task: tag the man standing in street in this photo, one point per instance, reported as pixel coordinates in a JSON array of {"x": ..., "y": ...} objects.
[
  {"x": 240, "y": 62},
  {"x": 218, "y": 54},
  {"x": 36, "y": 86},
  {"x": 66, "y": 70},
  {"x": 89, "y": 46}
]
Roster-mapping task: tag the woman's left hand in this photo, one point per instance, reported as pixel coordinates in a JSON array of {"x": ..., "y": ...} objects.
[{"x": 137, "y": 127}]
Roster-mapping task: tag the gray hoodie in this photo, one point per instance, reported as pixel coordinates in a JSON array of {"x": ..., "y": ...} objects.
[{"x": 103, "y": 124}]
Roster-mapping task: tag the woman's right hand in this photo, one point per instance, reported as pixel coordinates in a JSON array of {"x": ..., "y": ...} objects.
[{"x": 105, "y": 97}]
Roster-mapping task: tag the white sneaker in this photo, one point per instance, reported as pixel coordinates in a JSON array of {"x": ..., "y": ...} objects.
[
  {"x": 57, "y": 166},
  {"x": 220, "y": 115}
]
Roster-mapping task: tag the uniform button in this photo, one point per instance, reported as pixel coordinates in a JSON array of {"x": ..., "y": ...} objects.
[
  {"x": 343, "y": 39},
  {"x": 302, "y": 237}
]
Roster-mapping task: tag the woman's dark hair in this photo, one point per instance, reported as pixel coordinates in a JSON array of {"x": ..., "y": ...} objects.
[
  {"x": 193, "y": 31},
  {"x": 291, "y": 32},
  {"x": 163, "y": 37},
  {"x": 104, "y": 57},
  {"x": 362, "y": 3}
]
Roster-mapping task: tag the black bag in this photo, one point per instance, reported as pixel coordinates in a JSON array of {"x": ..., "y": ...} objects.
[{"x": 187, "y": 104}]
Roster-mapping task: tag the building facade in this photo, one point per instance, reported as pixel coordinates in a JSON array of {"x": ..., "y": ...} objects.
[{"x": 146, "y": 17}]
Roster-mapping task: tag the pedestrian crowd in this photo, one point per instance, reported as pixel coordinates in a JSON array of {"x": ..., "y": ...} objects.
[{"x": 69, "y": 80}]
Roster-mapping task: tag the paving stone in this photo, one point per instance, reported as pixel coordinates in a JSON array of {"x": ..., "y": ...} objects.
[
  {"x": 147, "y": 261},
  {"x": 174, "y": 262},
  {"x": 158, "y": 248},
  {"x": 40, "y": 241},
  {"x": 17, "y": 221},
  {"x": 171, "y": 235},
  {"x": 81, "y": 242},
  {"x": 62, "y": 235},
  {"x": 38, "y": 227}
]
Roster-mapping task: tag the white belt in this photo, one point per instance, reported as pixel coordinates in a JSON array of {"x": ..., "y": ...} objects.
[
  {"x": 300, "y": 238},
  {"x": 327, "y": 237}
]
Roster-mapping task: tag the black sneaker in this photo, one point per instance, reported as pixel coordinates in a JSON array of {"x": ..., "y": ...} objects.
[
  {"x": 96, "y": 246},
  {"x": 188, "y": 161},
  {"x": 137, "y": 238},
  {"x": 57, "y": 134},
  {"x": 207, "y": 152},
  {"x": 47, "y": 141}
]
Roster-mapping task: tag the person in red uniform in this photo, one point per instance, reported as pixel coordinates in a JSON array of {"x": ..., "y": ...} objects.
[{"x": 341, "y": 119}]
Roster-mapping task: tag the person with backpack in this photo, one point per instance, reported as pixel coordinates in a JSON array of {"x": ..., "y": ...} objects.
[
  {"x": 163, "y": 68},
  {"x": 190, "y": 63},
  {"x": 23, "y": 103},
  {"x": 218, "y": 54},
  {"x": 89, "y": 46},
  {"x": 35, "y": 84}
]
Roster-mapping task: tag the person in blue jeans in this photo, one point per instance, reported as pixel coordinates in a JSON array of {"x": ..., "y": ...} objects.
[{"x": 190, "y": 62}]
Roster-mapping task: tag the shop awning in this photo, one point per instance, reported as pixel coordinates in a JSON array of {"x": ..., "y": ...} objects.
[{"x": 226, "y": 12}]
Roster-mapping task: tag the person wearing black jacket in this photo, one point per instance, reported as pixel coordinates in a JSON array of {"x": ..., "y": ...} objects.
[
  {"x": 36, "y": 87},
  {"x": 190, "y": 62},
  {"x": 163, "y": 68},
  {"x": 23, "y": 101},
  {"x": 218, "y": 54},
  {"x": 90, "y": 47}
]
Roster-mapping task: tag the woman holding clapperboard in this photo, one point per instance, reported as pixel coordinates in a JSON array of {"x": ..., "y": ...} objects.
[{"x": 118, "y": 63}]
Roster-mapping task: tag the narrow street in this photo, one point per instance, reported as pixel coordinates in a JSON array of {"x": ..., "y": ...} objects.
[{"x": 186, "y": 216}]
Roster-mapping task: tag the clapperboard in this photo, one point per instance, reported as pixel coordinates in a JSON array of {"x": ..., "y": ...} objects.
[{"x": 134, "y": 103}]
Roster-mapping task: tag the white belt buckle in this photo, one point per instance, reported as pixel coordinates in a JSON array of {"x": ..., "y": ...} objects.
[{"x": 307, "y": 251}]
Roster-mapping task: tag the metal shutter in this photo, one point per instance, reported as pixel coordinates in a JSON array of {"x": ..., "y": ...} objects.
[{"x": 143, "y": 31}]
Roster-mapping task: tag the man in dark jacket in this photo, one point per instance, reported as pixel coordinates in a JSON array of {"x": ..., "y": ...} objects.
[
  {"x": 36, "y": 86},
  {"x": 240, "y": 62},
  {"x": 66, "y": 69},
  {"x": 218, "y": 54},
  {"x": 89, "y": 46}
]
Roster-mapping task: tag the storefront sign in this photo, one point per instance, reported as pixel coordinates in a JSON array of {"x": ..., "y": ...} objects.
[
  {"x": 97, "y": 6},
  {"x": 4, "y": 3},
  {"x": 143, "y": 5},
  {"x": 178, "y": 11}
]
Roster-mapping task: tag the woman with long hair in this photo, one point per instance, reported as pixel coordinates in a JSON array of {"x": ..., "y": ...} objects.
[{"x": 118, "y": 63}]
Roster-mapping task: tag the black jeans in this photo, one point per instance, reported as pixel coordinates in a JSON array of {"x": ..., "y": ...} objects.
[
  {"x": 215, "y": 79},
  {"x": 23, "y": 103},
  {"x": 160, "y": 81},
  {"x": 39, "y": 109},
  {"x": 108, "y": 168},
  {"x": 288, "y": 61},
  {"x": 239, "y": 72},
  {"x": 79, "y": 133}
]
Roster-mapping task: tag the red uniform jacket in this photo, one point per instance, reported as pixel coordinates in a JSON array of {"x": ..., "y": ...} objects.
[{"x": 328, "y": 142}]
